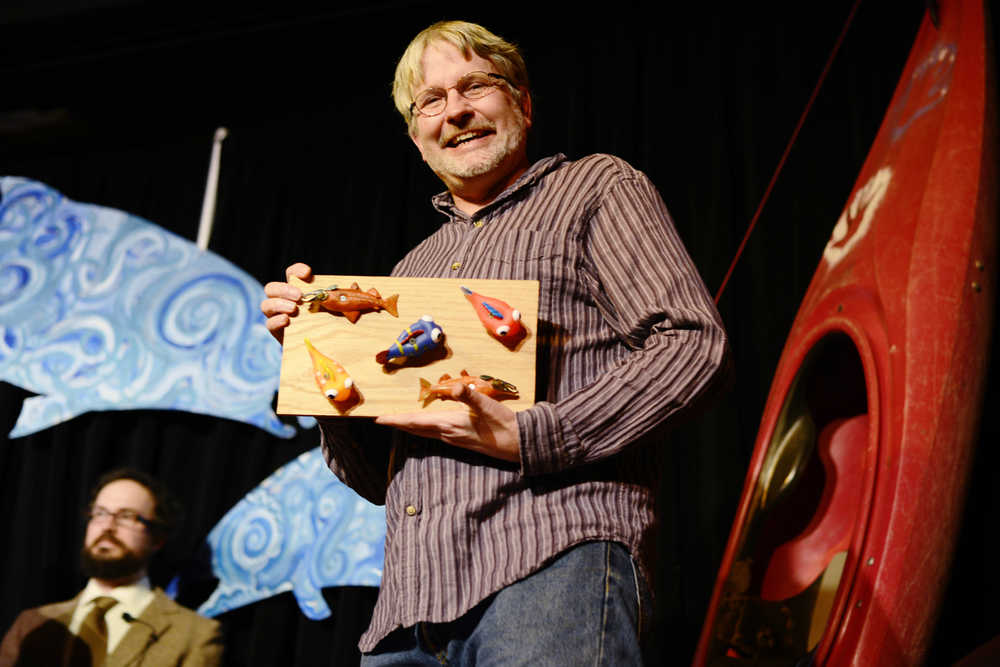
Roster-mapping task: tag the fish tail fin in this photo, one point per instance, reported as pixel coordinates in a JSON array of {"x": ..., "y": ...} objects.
[
  {"x": 390, "y": 305},
  {"x": 382, "y": 356},
  {"x": 315, "y": 355},
  {"x": 41, "y": 412},
  {"x": 465, "y": 290}
]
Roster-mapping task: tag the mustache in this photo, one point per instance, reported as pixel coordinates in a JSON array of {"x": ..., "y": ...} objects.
[{"x": 108, "y": 535}]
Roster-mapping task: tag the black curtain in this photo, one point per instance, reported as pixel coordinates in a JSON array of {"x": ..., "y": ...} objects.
[{"x": 117, "y": 106}]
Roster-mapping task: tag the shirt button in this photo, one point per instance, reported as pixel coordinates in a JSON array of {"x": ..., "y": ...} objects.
[
  {"x": 477, "y": 223},
  {"x": 411, "y": 510},
  {"x": 455, "y": 266}
]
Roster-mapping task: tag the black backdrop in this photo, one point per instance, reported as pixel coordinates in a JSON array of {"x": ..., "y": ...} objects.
[{"x": 117, "y": 104}]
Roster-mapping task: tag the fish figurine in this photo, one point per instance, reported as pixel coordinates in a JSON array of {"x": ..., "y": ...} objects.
[
  {"x": 351, "y": 302},
  {"x": 416, "y": 339},
  {"x": 500, "y": 320},
  {"x": 331, "y": 378},
  {"x": 490, "y": 386}
]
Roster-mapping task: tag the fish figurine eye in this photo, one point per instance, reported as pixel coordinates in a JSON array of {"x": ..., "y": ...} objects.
[
  {"x": 503, "y": 330},
  {"x": 516, "y": 315},
  {"x": 435, "y": 334}
]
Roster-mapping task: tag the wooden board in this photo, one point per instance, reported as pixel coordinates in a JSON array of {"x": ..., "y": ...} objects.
[{"x": 381, "y": 391}]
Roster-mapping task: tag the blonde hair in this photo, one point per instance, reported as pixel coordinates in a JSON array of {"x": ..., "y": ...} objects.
[{"x": 468, "y": 38}]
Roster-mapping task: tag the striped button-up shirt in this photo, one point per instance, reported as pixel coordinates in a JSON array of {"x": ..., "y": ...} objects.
[{"x": 628, "y": 338}]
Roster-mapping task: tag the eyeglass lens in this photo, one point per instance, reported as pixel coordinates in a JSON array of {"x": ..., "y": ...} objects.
[
  {"x": 124, "y": 517},
  {"x": 472, "y": 86}
]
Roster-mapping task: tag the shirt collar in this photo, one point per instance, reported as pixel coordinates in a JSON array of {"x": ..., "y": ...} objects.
[
  {"x": 443, "y": 200},
  {"x": 131, "y": 597}
]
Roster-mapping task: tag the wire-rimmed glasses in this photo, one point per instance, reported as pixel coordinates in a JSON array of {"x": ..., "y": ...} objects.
[{"x": 473, "y": 86}]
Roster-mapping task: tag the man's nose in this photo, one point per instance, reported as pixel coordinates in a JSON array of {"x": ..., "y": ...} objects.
[{"x": 457, "y": 109}]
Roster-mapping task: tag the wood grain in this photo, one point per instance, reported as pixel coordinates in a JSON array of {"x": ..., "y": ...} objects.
[{"x": 381, "y": 391}]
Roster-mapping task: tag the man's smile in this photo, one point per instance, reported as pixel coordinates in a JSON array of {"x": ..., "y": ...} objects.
[{"x": 466, "y": 136}]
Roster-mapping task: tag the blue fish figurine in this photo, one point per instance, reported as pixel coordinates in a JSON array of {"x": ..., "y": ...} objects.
[{"x": 418, "y": 338}]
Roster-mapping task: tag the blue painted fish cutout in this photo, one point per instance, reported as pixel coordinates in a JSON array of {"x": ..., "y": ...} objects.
[
  {"x": 301, "y": 530},
  {"x": 102, "y": 310}
]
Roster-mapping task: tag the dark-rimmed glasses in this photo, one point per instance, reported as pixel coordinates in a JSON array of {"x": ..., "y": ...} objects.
[
  {"x": 125, "y": 518},
  {"x": 472, "y": 86}
]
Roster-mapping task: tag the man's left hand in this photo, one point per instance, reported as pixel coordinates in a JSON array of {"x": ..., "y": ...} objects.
[{"x": 490, "y": 427}]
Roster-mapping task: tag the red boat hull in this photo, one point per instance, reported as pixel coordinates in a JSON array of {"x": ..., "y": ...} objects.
[{"x": 843, "y": 539}]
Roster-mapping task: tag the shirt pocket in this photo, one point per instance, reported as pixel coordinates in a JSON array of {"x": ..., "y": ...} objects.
[{"x": 524, "y": 254}]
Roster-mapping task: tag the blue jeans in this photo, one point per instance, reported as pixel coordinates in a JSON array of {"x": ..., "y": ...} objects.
[{"x": 587, "y": 607}]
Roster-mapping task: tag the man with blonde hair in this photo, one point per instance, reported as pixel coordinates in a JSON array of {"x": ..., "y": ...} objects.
[{"x": 525, "y": 538}]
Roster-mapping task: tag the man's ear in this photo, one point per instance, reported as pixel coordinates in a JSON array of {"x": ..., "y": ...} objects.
[
  {"x": 526, "y": 104},
  {"x": 413, "y": 138}
]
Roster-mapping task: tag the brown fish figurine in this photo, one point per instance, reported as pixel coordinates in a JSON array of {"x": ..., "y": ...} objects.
[
  {"x": 493, "y": 387},
  {"x": 350, "y": 302}
]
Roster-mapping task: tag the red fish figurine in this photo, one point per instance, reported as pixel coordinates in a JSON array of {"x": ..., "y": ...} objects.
[
  {"x": 500, "y": 320},
  {"x": 351, "y": 302},
  {"x": 484, "y": 384}
]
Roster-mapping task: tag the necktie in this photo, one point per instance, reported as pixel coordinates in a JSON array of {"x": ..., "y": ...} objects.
[{"x": 94, "y": 630}]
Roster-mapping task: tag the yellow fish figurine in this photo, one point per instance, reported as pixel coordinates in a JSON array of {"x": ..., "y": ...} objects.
[{"x": 330, "y": 376}]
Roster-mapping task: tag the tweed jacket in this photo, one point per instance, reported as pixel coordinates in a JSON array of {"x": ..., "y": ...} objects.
[{"x": 41, "y": 636}]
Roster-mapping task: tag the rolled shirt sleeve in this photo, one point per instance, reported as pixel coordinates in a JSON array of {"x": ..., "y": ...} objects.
[{"x": 639, "y": 274}]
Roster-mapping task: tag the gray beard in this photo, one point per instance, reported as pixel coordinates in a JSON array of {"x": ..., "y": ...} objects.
[{"x": 461, "y": 168}]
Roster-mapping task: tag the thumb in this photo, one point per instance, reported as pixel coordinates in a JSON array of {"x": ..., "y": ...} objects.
[
  {"x": 478, "y": 401},
  {"x": 461, "y": 391}
]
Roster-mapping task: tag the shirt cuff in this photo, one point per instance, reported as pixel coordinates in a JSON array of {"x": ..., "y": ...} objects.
[{"x": 546, "y": 447}]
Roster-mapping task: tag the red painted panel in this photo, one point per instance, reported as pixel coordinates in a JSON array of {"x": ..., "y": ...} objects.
[{"x": 906, "y": 286}]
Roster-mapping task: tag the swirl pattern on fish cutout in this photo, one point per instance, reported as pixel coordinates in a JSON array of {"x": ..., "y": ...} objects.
[
  {"x": 102, "y": 310},
  {"x": 301, "y": 530}
]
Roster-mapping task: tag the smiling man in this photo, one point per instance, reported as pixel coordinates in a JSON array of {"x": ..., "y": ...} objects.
[
  {"x": 118, "y": 618},
  {"x": 478, "y": 147},
  {"x": 525, "y": 538}
]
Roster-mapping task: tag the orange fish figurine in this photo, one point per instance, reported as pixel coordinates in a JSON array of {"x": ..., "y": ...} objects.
[
  {"x": 490, "y": 386},
  {"x": 351, "y": 302},
  {"x": 500, "y": 320},
  {"x": 330, "y": 376}
]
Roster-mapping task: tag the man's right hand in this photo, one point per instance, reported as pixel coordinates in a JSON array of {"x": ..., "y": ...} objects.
[{"x": 283, "y": 300}]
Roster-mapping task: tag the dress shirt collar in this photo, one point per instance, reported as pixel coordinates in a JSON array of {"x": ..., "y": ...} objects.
[
  {"x": 130, "y": 597},
  {"x": 133, "y": 598},
  {"x": 444, "y": 202}
]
